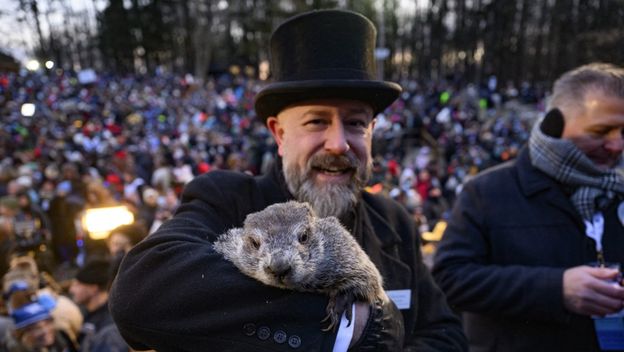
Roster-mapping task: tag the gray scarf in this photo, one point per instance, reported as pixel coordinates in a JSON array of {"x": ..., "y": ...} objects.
[{"x": 562, "y": 160}]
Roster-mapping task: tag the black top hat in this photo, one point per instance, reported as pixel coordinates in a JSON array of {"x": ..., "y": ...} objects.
[{"x": 324, "y": 54}]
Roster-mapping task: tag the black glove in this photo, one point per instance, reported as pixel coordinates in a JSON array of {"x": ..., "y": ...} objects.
[{"x": 384, "y": 330}]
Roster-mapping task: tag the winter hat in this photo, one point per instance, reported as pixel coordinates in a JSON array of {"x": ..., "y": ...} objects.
[
  {"x": 29, "y": 314},
  {"x": 95, "y": 272}
]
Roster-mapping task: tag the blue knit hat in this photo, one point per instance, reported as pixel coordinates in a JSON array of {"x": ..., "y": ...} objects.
[
  {"x": 29, "y": 314},
  {"x": 15, "y": 286}
]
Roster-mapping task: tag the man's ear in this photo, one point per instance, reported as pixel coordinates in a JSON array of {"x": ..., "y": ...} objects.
[{"x": 277, "y": 131}]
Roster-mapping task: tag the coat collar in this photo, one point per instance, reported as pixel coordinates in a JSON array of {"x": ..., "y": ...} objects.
[
  {"x": 273, "y": 185},
  {"x": 535, "y": 183},
  {"x": 381, "y": 228},
  {"x": 532, "y": 180}
]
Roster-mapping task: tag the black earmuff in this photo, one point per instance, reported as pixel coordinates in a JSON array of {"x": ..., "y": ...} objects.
[{"x": 553, "y": 123}]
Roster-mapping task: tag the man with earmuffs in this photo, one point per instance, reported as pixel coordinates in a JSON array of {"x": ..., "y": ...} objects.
[
  {"x": 174, "y": 292},
  {"x": 534, "y": 248}
]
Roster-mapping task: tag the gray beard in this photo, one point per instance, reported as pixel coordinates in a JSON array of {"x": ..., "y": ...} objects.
[{"x": 327, "y": 199}]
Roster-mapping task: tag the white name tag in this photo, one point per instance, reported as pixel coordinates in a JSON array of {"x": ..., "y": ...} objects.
[{"x": 401, "y": 298}]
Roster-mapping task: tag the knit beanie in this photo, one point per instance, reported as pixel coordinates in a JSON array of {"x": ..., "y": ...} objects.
[
  {"x": 95, "y": 272},
  {"x": 29, "y": 314}
]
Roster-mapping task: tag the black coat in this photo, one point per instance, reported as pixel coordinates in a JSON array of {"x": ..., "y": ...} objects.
[
  {"x": 512, "y": 233},
  {"x": 174, "y": 292}
]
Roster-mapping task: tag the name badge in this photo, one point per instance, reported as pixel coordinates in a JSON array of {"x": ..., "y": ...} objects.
[
  {"x": 610, "y": 332},
  {"x": 401, "y": 298}
]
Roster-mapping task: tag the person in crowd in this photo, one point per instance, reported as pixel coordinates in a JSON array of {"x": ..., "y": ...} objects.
[
  {"x": 435, "y": 206},
  {"x": 166, "y": 205},
  {"x": 320, "y": 109},
  {"x": 70, "y": 172},
  {"x": 148, "y": 208},
  {"x": 6, "y": 325},
  {"x": 64, "y": 211},
  {"x": 24, "y": 282},
  {"x": 123, "y": 238},
  {"x": 107, "y": 340},
  {"x": 31, "y": 231},
  {"x": 9, "y": 207},
  {"x": 34, "y": 331},
  {"x": 89, "y": 289},
  {"x": 120, "y": 241},
  {"x": 527, "y": 255},
  {"x": 98, "y": 195}
]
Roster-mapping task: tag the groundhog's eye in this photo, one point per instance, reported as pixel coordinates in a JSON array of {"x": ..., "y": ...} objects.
[
  {"x": 303, "y": 237},
  {"x": 253, "y": 242}
]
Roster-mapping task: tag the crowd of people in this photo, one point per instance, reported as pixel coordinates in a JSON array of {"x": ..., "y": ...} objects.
[{"x": 137, "y": 140}]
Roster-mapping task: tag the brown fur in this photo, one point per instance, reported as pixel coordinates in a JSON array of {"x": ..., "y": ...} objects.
[{"x": 287, "y": 246}]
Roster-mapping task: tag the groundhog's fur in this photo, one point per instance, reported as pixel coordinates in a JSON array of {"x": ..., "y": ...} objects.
[{"x": 287, "y": 246}]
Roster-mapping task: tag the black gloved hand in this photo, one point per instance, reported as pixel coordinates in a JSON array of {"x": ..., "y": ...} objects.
[{"x": 384, "y": 330}]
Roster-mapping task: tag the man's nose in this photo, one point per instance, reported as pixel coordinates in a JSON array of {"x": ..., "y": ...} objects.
[{"x": 336, "y": 141}]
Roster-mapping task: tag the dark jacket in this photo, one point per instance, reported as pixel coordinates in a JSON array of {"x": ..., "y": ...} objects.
[
  {"x": 62, "y": 343},
  {"x": 107, "y": 340},
  {"x": 174, "y": 292},
  {"x": 99, "y": 318},
  {"x": 94, "y": 322},
  {"x": 512, "y": 233}
]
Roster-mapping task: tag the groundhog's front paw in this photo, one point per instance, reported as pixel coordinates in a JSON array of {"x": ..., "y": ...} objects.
[
  {"x": 336, "y": 306},
  {"x": 332, "y": 316}
]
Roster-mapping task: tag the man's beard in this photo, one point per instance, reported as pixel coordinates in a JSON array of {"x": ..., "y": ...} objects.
[{"x": 327, "y": 199}]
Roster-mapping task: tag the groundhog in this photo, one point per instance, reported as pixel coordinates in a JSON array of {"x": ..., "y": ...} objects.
[{"x": 287, "y": 246}]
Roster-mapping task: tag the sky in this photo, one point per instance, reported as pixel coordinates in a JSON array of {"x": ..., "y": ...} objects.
[
  {"x": 12, "y": 32},
  {"x": 18, "y": 38}
]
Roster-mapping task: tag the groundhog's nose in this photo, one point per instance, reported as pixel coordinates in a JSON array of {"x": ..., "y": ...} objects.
[{"x": 278, "y": 270}]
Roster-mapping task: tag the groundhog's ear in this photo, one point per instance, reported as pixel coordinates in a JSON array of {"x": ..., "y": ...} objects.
[
  {"x": 252, "y": 241},
  {"x": 228, "y": 242}
]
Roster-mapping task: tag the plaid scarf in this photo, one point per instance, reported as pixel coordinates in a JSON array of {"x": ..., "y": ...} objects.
[{"x": 562, "y": 160}]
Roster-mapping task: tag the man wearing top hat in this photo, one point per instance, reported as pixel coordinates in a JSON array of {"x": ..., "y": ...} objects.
[{"x": 174, "y": 292}]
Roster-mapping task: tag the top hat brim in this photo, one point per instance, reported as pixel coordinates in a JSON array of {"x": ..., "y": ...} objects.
[{"x": 277, "y": 96}]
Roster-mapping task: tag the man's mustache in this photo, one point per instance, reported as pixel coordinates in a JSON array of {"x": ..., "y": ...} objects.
[{"x": 325, "y": 161}]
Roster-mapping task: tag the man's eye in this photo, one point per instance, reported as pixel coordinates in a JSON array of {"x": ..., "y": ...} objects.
[
  {"x": 600, "y": 132},
  {"x": 315, "y": 122},
  {"x": 357, "y": 124}
]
